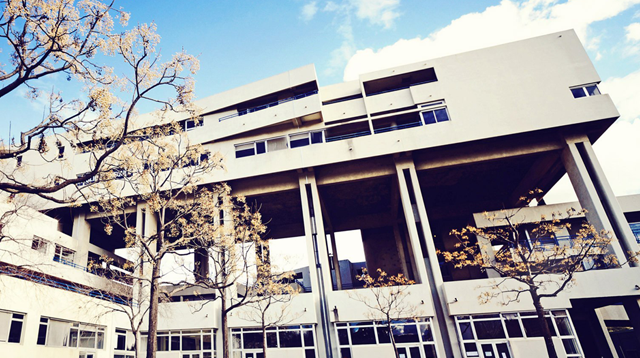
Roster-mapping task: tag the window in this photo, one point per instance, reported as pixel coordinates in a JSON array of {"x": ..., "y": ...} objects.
[
  {"x": 436, "y": 113},
  {"x": 11, "y": 324},
  {"x": 57, "y": 333},
  {"x": 416, "y": 333},
  {"x": 196, "y": 342},
  {"x": 39, "y": 244},
  {"x": 60, "y": 150},
  {"x": 399, "y": 82},
  {"x": 585, "y": 90},
  {"x": 635, "y": 229},
  {"x": 190, "y": 124},
  {"x": 125, "y": 341},
  {"x": 64, "y": 255},
  {"x": 248, "y": 340},
  {"x": 304, "y": 139},
  {"x": 475, "y": 331}
]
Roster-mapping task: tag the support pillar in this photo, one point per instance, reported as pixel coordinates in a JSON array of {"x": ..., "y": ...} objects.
[
  {"x": 319, "y": 269},
  {"x": 587, "y": 193},
  {"x": 611, "y": 205},
  {"x": 428, "y": 274},
  {"x": 82, "y": 233}
]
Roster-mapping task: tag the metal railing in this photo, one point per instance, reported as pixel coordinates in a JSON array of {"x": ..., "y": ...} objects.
[
  {"x": 52, "y": 282},
  {"x": 347, "y": 136},
  {"x": 268, "y": 105},
  {"x": 397, "y": 127},
  {"x": 98, "y": 271}
]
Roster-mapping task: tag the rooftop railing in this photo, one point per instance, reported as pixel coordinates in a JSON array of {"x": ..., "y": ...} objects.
[{"x": 268, "y": 105}]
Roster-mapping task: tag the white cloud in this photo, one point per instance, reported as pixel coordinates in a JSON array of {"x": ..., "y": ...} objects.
[
  {"x": 378, "y": 12},
  {"x": 508, "y": 21},
  {"x": 625, "y": 93},
  {"x": 309, "y": 10},
  {"x": 633, "y": 32}
]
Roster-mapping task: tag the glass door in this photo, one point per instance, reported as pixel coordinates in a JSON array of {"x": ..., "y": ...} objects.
[
  {"x": 409, "y": 352},
  {"x": 496, "y": 350}
]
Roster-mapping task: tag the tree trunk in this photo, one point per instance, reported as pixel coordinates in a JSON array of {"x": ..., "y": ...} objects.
[
  {"x": 136, "y": 339},
  {"x": 264, "y": 341},
  {"x": 225, "y": 327},
  {"x": 152, "y": 338},
  {"x": 393, "y": 341},
  {"x": 546, "y": 332}
]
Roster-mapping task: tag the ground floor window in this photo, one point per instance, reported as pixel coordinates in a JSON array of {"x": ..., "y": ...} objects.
[
  {"x": 488, "y": 335},
  {"x": 414, "y": 338},
  {"x": 247, "y": 342},
  {"x": 57, "y": 333},
  {"x": 11, "y": 324},
  {"x": 198, "y": 343}
]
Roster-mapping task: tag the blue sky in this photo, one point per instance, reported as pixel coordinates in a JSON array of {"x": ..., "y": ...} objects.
[{"x": 240, "y": 41}]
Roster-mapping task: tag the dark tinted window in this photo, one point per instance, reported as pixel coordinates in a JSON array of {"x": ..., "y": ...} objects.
[{"x": 290, "y": 339}]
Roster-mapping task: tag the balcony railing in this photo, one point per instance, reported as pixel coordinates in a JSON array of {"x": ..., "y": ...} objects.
[
  {"x": 55, "y": 283},
  {"x": 98, "y": 271},
  {"x": 268, "y": 105}
]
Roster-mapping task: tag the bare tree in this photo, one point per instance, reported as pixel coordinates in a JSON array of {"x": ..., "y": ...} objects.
[
  {"x": 538, "y": 262},
  {"x": 79, "y": 41},
  {"x": 389, "y": 302}
]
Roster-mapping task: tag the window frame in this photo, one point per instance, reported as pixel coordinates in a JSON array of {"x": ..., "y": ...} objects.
[
  {"x": 585, "y": 91},
  {"x": 433, "y": 107}
]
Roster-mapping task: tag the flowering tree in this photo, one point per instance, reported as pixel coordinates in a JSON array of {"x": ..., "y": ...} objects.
[
  {"x": 532, "y": 258},
  {"x": 269, "y": 297},
  {"x": 389, "y": 301},
  {"x": 78, "y": 41}
]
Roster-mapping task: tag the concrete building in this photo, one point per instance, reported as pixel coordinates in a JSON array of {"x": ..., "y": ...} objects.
[{"x": 396, "y": 160}]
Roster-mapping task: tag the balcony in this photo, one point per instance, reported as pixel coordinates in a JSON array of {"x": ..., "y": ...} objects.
[{"x": 268, "y": 105}]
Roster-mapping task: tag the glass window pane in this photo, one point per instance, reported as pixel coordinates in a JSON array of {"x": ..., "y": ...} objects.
[
  {"x": 383, "y": 335},
  {"x": 564, "y": 326},
  {"x": 299, "y": 140},
  {"x": 415, "y": 351},
  {"x": 570, "y": 346},
  {"x": 425, "y": 332},
  {"x": 308, "y": 338},
  {"x": 289, "y": 339},
  {"x": 489, "y": 329},
  {"x": 343, "y": 337},
  {"x": 316, "y": 137},
  {"x": 15, "y": 332},
  {"x": 513, "y": 327},
  {"x": 593, "y": 90},
  {"x": 175, "y": 343},
  {"x": 163, "y": 343},
  {"x": 260, "y": 147},
  {"x": 42, "y": 334},
  {"x": 441, "y": 115},
  {"x": 87, "y": 339},
  {"x": 362, "y": 335},
  {"x": 428, "y": 117},
  {"x": 206, "y": 341},
  {"x": 345, "y": 352},
  {"x": 73, "y": 338},
  {"x": 407, "y": 333},
  {"x": 578, "y": 92},
  {"x": 430, "y": 351},
  {"x": 276, "y": 144},
  {"x": 242, "y": 151},
  {"x": 100, "y": 341},
  {"x": 310, "y": 353},
  {"x": 532, "y": 327},
  {"x": 272, "y": 340},
  {"x": 191, "y": 342},
  {"x": 252, "y": 340},
  {"x": 236, "y": 341},
  {"x": 465, "y": 330},
  {"x": 471, "y": 349}
]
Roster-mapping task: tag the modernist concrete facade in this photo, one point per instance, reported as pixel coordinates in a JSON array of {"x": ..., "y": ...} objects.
[{"x": 399, "y": 157}]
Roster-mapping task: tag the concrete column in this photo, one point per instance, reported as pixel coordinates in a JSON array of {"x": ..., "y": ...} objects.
[
  {"x": 616, "y": 215},
  {"x": 82, "y": 233},
  {"x": 632, "y": 307},
  {"x": 448, "y": 342},
  {"x": 319, "y": 269},
  {"x": 587, "y": 194},
  {"x": 487, "y": 250},
  {"x": 145, "y": 227}
]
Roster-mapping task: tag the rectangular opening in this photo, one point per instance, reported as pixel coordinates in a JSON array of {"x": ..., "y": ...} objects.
[
  {"x": 394, "y": 123},
  {"x": 347, "y": 131},
  {"x": 399, "y": 82}
]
